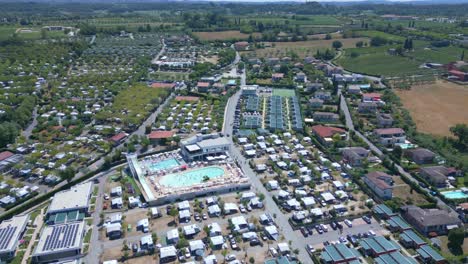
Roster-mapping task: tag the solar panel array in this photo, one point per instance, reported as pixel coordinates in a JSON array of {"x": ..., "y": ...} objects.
[
  {"x": 252, "y": 121},
  {"x": 6, "y": 234},
  {"x": 275, "y": 115},
  {"x": 295, "y": 112},
  {"x": 253, "y": 103},
  {"x": 61, "y": 237}
]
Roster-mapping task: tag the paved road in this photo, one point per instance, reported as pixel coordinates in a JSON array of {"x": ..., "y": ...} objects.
[
  {"x": 163, "y": 49},
  {"x": 281, "y": 220},
  {"x": 28, "y": 131},
  {"x": 257, "y": 186}
]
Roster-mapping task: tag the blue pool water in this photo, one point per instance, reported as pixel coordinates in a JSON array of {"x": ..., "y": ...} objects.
[
  {"x": 454, "y": 195},
  {"x": 192, "y": 177},
  {"x": 164, "y": 164}
]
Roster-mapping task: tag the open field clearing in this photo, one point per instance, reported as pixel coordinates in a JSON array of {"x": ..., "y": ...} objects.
[
  {"x": 223, "y": 35},
  {"x": 303, "y": 48},
  {"x": 436, "y": 107}
]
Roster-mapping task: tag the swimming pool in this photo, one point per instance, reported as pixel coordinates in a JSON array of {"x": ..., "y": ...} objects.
[
  {"x": 164, "y": 164},
  {"x": 454, "y": 195},
  {"x": 192, "y": 177}
]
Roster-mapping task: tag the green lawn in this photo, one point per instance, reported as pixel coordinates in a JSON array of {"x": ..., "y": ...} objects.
[
  {"x": 375, "y": 33},
  {"x": 377, "y": 61}
]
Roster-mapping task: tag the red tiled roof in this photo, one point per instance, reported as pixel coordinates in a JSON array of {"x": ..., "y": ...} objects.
[
  {"x": 162, "y": 85},
  {"x": 5, "y": 155},
  {"x": 389, "y": 131},
  {"x": 326, "y": 131},
  {"x": 187, "y": 98},
  {"x": 203, "y": 84},
  {"x": 373, "y": 95},
  {"x": 160, "y": 134},
  {"x": 241, "y": 43},
  {"x": 277, "y": 75},
  {"x": 457, "y": 72},
  {"x": 118, "y": 137}
]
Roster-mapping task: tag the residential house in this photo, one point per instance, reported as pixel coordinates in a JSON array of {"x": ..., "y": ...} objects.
[
  {"x": 367, "y": 107},
  {"x": 326, "y": 133},
  {"x": 390, "y": 136},
  {"x": 157, "y": 137},
  {"x": 316, "y": 103},
  {"x": 301, "y": 77},
  {"x": 384, "y": 120},
  {"x": 326, "y": 117},
  {"x": 241, "y": 45},
  {"x": 381, "y": 183},
  {"x": 428, "y": 221},
  {"x": 420, "y": 155},
  {"x": 276, "y": 77},
  {"x": 437, "y": 175},
  {"x": 312, "y": 87},
  {"x": 324, "y": 95},
  {"x": 355, "y": 156},
  {"x": 203, "y": 87}
]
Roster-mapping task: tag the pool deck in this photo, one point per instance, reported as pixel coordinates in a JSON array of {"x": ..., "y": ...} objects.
[{"x": 156, "y": 194}]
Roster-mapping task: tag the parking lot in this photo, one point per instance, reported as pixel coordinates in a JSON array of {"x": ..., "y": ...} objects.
[{"x": 316, "y": 240}]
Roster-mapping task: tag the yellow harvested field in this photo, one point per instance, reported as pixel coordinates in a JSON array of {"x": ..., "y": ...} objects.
[
  {"x": 302, "y": 48},
  {"x": 436, "y": 107},
  {"x": 223, "y": 35}
]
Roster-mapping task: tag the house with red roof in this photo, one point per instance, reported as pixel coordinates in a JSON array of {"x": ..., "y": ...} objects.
[
  {"x": 241, "y": 45},
  {"x": 325, "y": 133},
  {"x": 5, "y": 155},
  {"x": 118, "y": 139},
  {"x": 163, "y": 85},
  {"x": 276, "y": 77},
  {"x": 156, "y": 137},
  {"x": 371, "y": 97},
  {"x": 203, "y": 87},
  {"x": 462, "y": 76}
]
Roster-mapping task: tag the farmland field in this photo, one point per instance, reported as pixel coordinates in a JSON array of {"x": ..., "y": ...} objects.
[
  {"x": 222, "y": 35},
  {"x": 303, "y": 48},
  {"x": 436, "y": 107}
]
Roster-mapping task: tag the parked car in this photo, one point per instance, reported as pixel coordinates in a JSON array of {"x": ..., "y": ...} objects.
[
  {"x": 348, "y": 223},
  {"x": 366, "y": 219},
  {"x": 230, "y": 257},
  {"x": 273, "y": 252},
  {"x": 372, "y": 233},
  {"x": 304, "y": 232},
  {"x": 310, "y": 249}
]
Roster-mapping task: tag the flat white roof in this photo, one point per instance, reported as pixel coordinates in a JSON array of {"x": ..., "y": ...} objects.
[
  {"x": 193, "y": 147},
  {"x": 10, "y": 231},
  {"x": 169, "y": 251},
  {"x": 75, "y": 198},
  {"x": 55, "y": 239}
]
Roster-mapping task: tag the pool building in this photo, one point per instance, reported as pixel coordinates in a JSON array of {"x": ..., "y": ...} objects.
[
  {"x": 168, "y": 177},
  {"x": 199, "y": 147}
]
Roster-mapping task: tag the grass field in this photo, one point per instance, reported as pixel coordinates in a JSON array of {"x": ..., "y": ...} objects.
[
  {"x": 374, "y": 33},
  {"x": 222, "y": 35},
  {"x": 284, "y": 92},
  {"x": 436, "y": 107},
  {"x": 377, "y": 61},
  {"x": 302, "y": 48}
]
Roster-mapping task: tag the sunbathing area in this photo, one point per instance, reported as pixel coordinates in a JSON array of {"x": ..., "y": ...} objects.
[{"x": 166, "y": 177}]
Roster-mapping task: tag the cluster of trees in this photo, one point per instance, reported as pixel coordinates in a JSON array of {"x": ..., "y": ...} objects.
[{"x": 14, "y": 119}]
